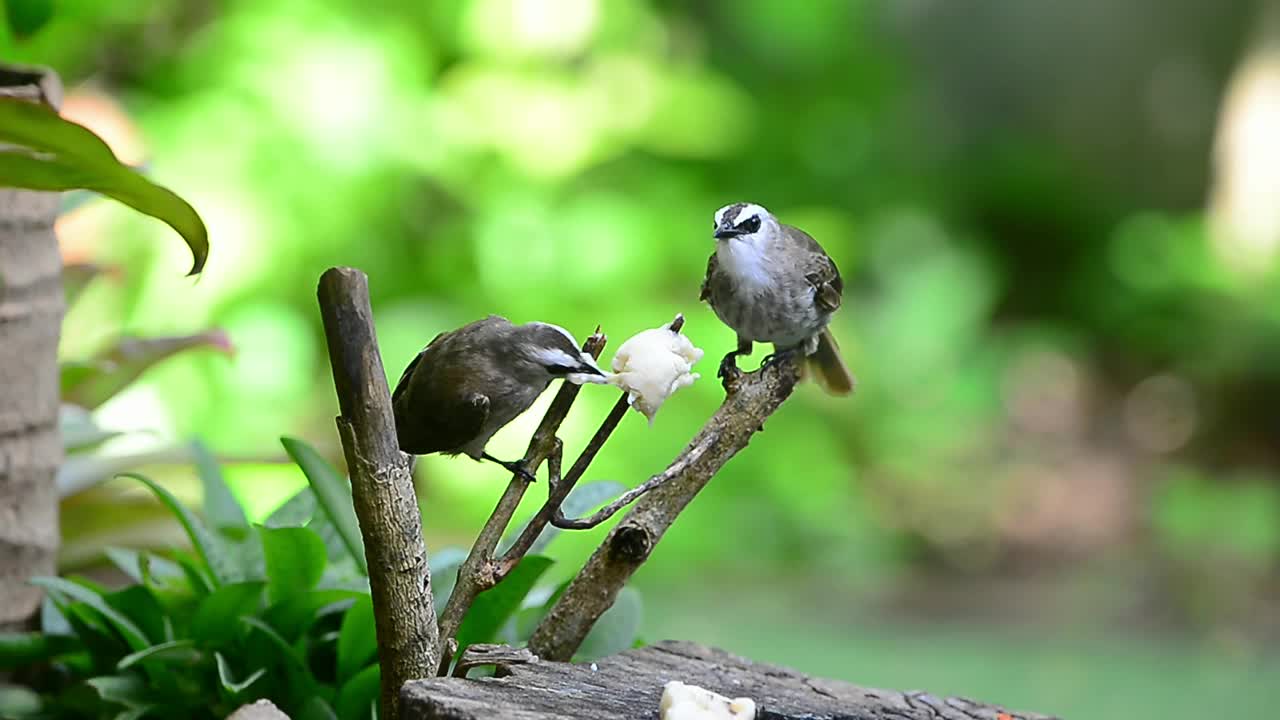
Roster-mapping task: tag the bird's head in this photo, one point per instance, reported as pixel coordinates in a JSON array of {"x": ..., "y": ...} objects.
[
  {"x": 745, "y": 222},
  {"x": 551, "y": 349}
]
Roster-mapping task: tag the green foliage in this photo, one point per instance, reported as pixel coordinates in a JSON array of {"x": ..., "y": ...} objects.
[
  {"x": 275, "y": 612},
  {"x": 59, "y": 155},
  {"x": 25, "y": 17}
]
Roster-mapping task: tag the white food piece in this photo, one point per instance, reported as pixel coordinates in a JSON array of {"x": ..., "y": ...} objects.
[
  {"x": 652, "y": 365},
  {"x": 690, "y": 702}
]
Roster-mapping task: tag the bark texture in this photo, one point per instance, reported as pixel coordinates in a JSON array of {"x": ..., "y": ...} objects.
[
  {"x": 751, "y": 399},
  {"x": 31, "y": 307},
  {"x": 629, "y": 685},
  {"x": 381, "y": 487}
]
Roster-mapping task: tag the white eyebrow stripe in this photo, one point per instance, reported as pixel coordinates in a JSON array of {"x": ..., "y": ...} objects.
[
  {"x": 720, "y": 214},
  {"x": 560, "y": 330},
  {"x": 552, "y": 357},
  {"x": 747, "y": 212}
]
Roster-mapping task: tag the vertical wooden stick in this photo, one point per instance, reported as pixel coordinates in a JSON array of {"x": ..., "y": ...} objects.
[{"x": 382, "y": 488}]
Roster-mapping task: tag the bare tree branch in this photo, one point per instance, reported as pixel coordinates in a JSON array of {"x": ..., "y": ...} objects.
[
  {"x": 381, "y": 488},
  {"x": 608, "y": 511},
  {"x": 479, "y": 572},
  {"x": 561, "y": 487},
  {"x": 751, "y": 399}
]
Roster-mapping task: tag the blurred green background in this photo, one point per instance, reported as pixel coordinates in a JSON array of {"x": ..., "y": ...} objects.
[{"x": 1058, "y": 485}]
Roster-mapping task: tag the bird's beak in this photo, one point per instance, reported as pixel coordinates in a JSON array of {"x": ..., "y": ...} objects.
[
  {"x": 726, "y": 231},
  {"x": 589, "y": 366},
  {"x": 589, "y": 372}
]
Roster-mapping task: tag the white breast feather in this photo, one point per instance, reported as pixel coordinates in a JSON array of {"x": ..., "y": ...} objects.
[{"x": 747, "y": 263}]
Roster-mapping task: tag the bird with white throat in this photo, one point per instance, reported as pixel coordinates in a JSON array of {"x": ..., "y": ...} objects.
[{"x": 773, "y": 283}]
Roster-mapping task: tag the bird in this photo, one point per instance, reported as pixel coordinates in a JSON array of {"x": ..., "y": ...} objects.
[
  {"x": 468, "y": 383},
  {"x": 773, "y": 283}
]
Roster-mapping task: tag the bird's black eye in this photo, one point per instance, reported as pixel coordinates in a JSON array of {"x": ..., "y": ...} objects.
[{"x": 750, "y": 225}]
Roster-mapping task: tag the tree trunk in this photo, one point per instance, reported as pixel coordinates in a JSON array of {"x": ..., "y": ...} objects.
[{"x": 31, "y": 305}]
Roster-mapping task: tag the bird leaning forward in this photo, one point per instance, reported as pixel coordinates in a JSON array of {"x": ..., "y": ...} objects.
[
  {"x": 774, "y": 283},
  {"x": 469, "y": 383}
]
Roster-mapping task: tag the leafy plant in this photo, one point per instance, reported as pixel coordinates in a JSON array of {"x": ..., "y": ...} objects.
[
  {"x": 55, "y": 154},
  {"x": 278, "y": 610}
]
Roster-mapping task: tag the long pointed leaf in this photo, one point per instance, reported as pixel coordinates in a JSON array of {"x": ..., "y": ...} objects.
[
  {"x": 221, "y": 508},
  {"x": 73, "y": 157},
  {"x": 205, "y": 545},
  {"x": 180, "y": 649},
  {"x": 334, "y": 495},
  {"x": 228, "y": 680},
  {"x": 357, "y": 639},
  {"x": 133, "y": 635}
]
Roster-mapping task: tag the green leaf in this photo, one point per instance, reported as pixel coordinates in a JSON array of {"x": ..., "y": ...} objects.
[
  {"x": 357, "y": 694},
  {"x": 138, "y": 604},
  {"x": 21, "y": 649},
  {"x": 202, "y": 541},
  {"x": 126, "y": 561},
  {"x": 287, "y": 651},
  {"x": 73, "y": 157},
  {"x": 222, "y": 609},
  {"x": 581, "y": 500},
  {"x": 493, "y": 607},
  {"x": 221, "y": 508},
  {"x": 333, "y": 492},
  {"x": 79, "y": 431},
  {"x": 228, "y": 680},
  {"x": 527, "y": 618},
  {"x": 81, "y": 471},
  {"x": 133, "y": 635},
  {"x": 298, "y": 612},
  {"x": 52, "y": 621},
  {"x": 617, "y": 628},
  {"x": 173, "y": 650},
  {"x": 128, "y": 690},
  {"x": 295, "y": 560},
  {"x": 295, "y": 512},
  {"x": 357, "y": 639},
  {"x": 134, "y": 713},
  {"x": 316, "y": 709},
  {"x": 197, "y": 576},
  {"x": 25, "y": 17},
  {"x": 90, "y": 384},
  {"x": 19, "y": 702}
]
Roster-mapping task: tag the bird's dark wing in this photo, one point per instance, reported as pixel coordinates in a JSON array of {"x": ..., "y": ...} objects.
[
  {"x": 432, "y": 414},
  {"x": 454, "y": 426},
  {"x": 706, "y": 280},
  {"x": 820, "y": 270}
]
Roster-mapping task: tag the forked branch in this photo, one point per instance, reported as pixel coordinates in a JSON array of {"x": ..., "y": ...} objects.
[{"x": 751, "y": 399}]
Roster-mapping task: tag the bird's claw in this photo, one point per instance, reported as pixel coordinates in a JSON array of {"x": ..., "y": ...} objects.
[
  {"x": 518, "y": 469},
  {"x": 776, "y": 358},
  {"x": 728, "y": 368},
  {"x": 514, "y": 467}
]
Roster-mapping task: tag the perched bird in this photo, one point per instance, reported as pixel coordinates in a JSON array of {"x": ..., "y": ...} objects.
[
  {"x": 774, "y": 283},
  {"x": 470, "y": 382}
]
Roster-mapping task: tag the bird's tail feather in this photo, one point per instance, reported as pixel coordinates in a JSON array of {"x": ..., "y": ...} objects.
[{"x": 828, "y": 367}]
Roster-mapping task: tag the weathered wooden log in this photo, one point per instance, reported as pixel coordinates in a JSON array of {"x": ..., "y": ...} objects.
[{"x": 629, "y": 685}]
